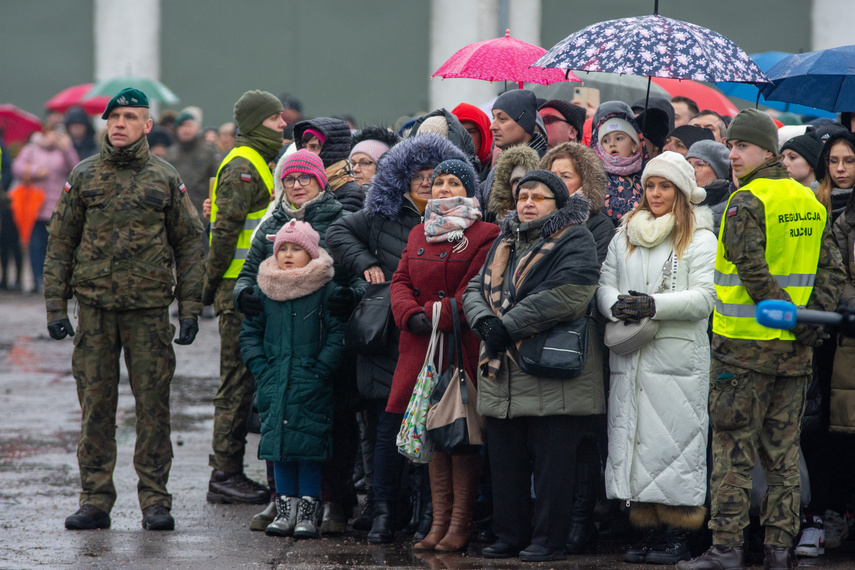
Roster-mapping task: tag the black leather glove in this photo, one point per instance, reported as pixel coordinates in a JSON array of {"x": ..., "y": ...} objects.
[
  {"x": 810, "y": 335},
  {"x": 187, "y": 334},
  {"x": 495, "y": 334},
  {"x": 341, "y": 304},
  {"x": 249, "y": 304},
  {"x": 60, "y": 329},
  {"x": 633, "y": 307},
  {"x": 847, "y": 325},
  {"x": 419, "y": 324}
]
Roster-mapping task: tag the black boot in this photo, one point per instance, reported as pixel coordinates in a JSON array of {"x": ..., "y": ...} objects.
[
  {"x": 582, "y": 538},
  {"x": 425, "y": 522},
  {"x": 366, "y": 515},
  {"x": 416, "y": 513},
  {"x": 672, "y": 547},
  {"x": 637, "y": 553},
  {"x": 382, "y": 531}
]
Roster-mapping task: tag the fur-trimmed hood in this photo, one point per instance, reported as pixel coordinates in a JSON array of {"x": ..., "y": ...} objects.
[
  {"x": 595, "y": 183},
  {"x": 574, "y": 212},
  {"x": 457, "y": 134},
  {"x": 337, "y": 145},
  {"x": 501, "y": 197},
  {"x": 282, "y": 285},
  {"x": 398, "y": 166}
]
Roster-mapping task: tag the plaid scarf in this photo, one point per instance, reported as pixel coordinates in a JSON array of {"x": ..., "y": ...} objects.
[
  {"x": 491, "y": 287},
  {"x": 447, "y": 218}
]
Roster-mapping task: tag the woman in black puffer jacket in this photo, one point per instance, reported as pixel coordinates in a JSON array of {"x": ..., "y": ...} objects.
[{"x": 334, "y": 150}]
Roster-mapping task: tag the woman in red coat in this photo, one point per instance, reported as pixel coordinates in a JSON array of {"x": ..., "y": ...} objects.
[{"x": 441, "y": 257}]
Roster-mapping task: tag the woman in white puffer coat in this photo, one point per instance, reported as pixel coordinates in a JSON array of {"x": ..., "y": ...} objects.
[{"x": 660, "y": 265}]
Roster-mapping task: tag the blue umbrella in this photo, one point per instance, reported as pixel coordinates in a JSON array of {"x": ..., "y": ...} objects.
[
  {"x": 749, "y": 92},
  {"x": 823, "y": 79}
]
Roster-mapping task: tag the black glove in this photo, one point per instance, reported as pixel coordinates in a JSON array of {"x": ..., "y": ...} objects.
[
  {"x": 60, "y": 329},
  {"x": 847, "y": 325},
  {"x": 419, "y": 324},
  {"x": 495, "y": 334},
  {"x": 189, "y": 328},
  {"x": 633, "y": 307},
  {"x": 341, "y": 304},
  {"x": 810, "y": 335},
  {"x": 249, "y": 304}
]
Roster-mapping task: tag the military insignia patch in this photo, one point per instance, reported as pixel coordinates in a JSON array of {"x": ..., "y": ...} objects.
[
  {"x": 731, "y": 211},
  {"x": 245, "y": 177},
  {"x": 182, "y": 188},
  {"x": 67, "y": 186}
]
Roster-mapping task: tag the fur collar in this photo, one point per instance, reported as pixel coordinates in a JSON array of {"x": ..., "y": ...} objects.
[
  {"x": 574, "y": 212},
  {"x": 282, "y": 285}
]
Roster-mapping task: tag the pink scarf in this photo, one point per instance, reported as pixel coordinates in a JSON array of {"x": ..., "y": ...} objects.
[
  {"x": 447, "y": 218},
  {"x": 619, "y": 165}
]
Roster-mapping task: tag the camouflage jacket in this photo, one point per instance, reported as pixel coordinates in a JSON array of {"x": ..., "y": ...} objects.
[
  {"x": 123, "y": 221},
  {"x": 744, "y": 241},
  {"x": 196, "y": 163},
  {"x": 240, "y": 190}
]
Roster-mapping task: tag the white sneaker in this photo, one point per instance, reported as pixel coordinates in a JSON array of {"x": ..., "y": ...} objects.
[
  {"x": 836, "y": 529},
  {"x": 812, "y": 541}
]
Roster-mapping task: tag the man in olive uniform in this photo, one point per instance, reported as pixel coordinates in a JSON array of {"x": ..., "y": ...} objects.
[
  {"x": 242, "y": 191},
  {"x": 123, "y": 217},
  {"x": 774, "y": 243}
]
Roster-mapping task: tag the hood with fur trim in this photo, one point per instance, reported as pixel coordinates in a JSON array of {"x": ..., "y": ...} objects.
[
  {"x": 457, "y": 134},
  {"x": 595, "y": 183},
  {"x": 398, "y": 166},
  {"x": 501, "y": 197},
  {"x": 575, "y": 212},
  {"x": 281, "y": 285},
  {"x": 337, "y": 145}
]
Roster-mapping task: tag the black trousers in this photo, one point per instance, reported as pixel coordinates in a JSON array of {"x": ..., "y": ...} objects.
[{"x": 543, "y": 446}]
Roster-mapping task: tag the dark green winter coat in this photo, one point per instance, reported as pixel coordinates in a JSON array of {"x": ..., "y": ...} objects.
[{"x": 292, "y": 350}]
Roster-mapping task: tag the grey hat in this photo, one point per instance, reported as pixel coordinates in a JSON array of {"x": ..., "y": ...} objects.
[
  {"x": 521, "y": 106},
  {"x": 713, "y": 153}
]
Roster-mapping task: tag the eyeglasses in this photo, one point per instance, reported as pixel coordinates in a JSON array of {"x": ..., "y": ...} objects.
[
  {"x": 536, "y": 198},
  {"x": 417, "y": 179},
  {"x": 698, "y": 163},
  {"x": 847, "y": 160},
  {"x": 304, "y": 180},
  {"x": 549, "y": 119},
  {"x": 362, "y": 164}
]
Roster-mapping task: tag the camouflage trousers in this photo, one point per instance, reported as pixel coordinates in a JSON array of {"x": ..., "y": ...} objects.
[
  {"x": 145, "y": 335},
  {"x": 755, "y": 415},
  {"x": 233, "y": 400}
]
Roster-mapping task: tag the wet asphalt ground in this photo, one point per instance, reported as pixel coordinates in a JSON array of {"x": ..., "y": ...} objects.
[{"x": 39, "y": 428}]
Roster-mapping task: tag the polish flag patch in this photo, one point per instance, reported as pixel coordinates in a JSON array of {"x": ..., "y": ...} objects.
[
  {"x": 67, "y": 186},
  {"x": 731, "y": 211},
  {"x": 245, "y": 177},
  {"x": 182, "y": 188}
]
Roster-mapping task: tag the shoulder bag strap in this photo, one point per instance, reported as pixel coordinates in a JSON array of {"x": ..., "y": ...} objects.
[{"x": 458, "y": 347}]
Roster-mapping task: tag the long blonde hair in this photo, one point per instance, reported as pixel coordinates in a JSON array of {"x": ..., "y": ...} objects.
[{"x": 684, "y": 222}]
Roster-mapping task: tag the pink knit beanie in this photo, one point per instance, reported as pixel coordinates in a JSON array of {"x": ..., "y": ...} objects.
[
  {"x": 300, "y": 233},
  {"x": 305, "y": 162}
]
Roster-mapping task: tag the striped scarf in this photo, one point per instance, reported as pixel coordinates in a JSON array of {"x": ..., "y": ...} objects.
[{"x": 491, "y": 287}]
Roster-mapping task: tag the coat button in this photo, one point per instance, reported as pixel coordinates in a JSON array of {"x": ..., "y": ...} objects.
[
  {"x": 441, "y": 294},
  {"x": 288, "y": 387},
  {"x": 420, "y": 251},
  {"x": 416, "y": 292},
  {"x": 734, "y": 382},
  {"x": 293, "y": 313},
  {"x": 443, "y": 255},
  {"x": 285, "y": 423}
]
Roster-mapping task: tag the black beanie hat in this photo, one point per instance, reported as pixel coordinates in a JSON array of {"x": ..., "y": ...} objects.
[
  {"x": 521, "y": 106},
  {"x": 807, "y": 146},
  {"x": 690, "y": 134},
  {"x": 551, "y": 181},
  {"x": 574, "y": 114},
  {"x": 654, "y": 125},
  {"x": 461, "y": 170}
]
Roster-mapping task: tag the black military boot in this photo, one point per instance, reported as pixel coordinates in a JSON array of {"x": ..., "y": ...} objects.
[
  {"x": 582, "y": 538},
  {"x": 672, "y": 547},
  {"x": 236, "y": 488},
  {"x": 382, "y": 531},
  {"x": 88, "y": 517},
  {"x": 637, "y": 552},
  {"x": 777, "y": 557},
  {"x": 157, "y": 517}
]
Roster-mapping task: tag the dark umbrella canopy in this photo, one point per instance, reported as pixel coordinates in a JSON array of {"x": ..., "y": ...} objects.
[{"x": 824, "y": 79}]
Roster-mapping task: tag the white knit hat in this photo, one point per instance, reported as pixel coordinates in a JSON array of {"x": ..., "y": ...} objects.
[
  {"x": 672, "y": 166},
  {"x": 617, "y": 124}
]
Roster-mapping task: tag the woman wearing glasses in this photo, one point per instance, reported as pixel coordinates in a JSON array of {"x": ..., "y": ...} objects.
[
  {"x": 369, "y": 145},
  {"x": 835, "y": 171},
  {"x": 540, "y": 271}
]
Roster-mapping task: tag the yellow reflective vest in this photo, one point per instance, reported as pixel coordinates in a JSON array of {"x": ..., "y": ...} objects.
[
  {"x": 794, "y": 224},
  {"x": 253, "y": 218}
]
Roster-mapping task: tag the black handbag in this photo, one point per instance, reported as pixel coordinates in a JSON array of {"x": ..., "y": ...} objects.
[
  {"x": 369, "y": 325},
  {"x": 559, "y": 352}
]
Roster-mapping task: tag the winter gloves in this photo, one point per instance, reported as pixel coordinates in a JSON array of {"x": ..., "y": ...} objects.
[
  {"x": 495, "y": 334},
  {"x": 341, "y": 304},
  {"x": 60, "y": 329},
  {"x": 249, "y": 304},
  {"x": 810, "y": 335},
  {"x": 419, "y": 324},
  {"x": 633, "y": 307},
  {"x": 187, "y": 334}
]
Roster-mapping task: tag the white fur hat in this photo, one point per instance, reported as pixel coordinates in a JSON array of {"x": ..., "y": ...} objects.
[{"x": 672, "y": 166}]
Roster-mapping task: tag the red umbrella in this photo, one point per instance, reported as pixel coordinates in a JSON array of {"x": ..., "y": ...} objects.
[
  {"x": 75, "y": 96},
  {"x": 16, "y": 125},
  {"x": 501, "y": 59},
  {"x": 706, "y": 97}
]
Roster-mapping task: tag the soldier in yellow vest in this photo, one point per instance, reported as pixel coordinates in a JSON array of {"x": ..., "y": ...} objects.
[
  {"x": 774, "y": 243},
  {"x": 242, "y": 191}
]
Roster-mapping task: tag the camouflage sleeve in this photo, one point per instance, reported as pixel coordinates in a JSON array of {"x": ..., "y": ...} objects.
[
  {"x": 234, "y": 195},
  {"x": 744, "y": 241},
  {"x": 184, "y": 231},
  {"x": 841, "y": 231},
  {"x": 830, "y": 275},
  {"x": 64, "y": 233}
]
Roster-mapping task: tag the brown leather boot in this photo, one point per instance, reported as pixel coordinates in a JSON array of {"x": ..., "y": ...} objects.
[
  {"x": 466, "y": 471},
  {"x": 777, "y": 557},
  {"x": 441, "y": 496},
  {"x": 716, "y": 558}
]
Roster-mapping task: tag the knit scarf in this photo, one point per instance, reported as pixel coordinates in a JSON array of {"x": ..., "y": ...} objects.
[
  {"x": 338, "y": 175},
  {"x": 619, "y": 165},
  {"x": 298, "y": 212},
  {"x": 493, "y": 290},
  {"x": 266, "y": 141},
  {"x": 447, "y": 218},
  {"x": 643, "y": 229}
]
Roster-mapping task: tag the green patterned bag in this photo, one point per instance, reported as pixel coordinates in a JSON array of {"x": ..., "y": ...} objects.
[{"x": 412, "y": 440}]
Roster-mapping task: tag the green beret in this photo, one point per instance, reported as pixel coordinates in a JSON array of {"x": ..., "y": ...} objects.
[
  {"x": 127, "y": 97},
  {"x": 185, "y": 116}
]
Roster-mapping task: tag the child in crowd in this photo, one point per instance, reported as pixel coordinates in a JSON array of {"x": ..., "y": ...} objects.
[{"x": 292, "y": 349}]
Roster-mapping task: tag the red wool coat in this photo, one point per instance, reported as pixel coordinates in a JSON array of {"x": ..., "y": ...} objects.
[{"x": 431, "y": 273}]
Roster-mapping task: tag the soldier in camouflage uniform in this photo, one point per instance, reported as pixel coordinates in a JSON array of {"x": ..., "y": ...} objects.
[
  {"x": 124, "y": 221},
  {"x": 758, "y": 386},
  {"x": 242, "y": 193},
  {"x": 193, "y": 158}
]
